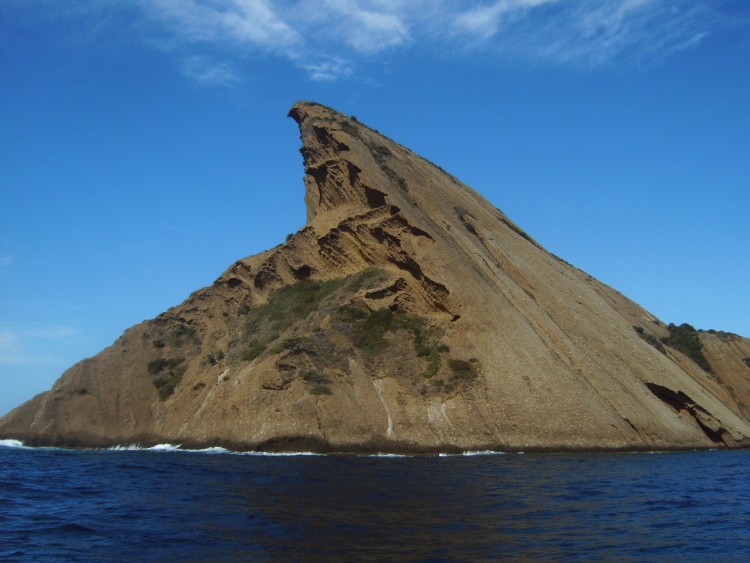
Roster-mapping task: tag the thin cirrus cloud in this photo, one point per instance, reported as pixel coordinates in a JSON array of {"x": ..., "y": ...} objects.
[
  {"x": 329, "y": 39},
  {"x": 205, "y": 70}
]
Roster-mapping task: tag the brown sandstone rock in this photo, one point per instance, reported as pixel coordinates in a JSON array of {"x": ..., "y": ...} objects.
[{"x": 408, "y": 315}]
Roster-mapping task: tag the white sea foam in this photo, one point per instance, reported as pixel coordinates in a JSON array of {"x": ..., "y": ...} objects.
[
  {"x": 13, "y": 444},
  {"x": 210, "y": 450},
  {"x": 472, "y": 453},
  {"x": 278, "y": 454},
  {"x": 169, "y": 448},
  {"x": 165, "y": 448},
  {"x": 125, "y": 448}
]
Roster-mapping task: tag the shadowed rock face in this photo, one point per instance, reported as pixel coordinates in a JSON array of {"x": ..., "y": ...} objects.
[{"x": 408, "y": 315}]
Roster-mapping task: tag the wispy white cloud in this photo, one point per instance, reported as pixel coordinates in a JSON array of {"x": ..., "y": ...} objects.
[
  {"x": 252, "y": 23},
  {"x": 6, "y": 261},
  {"x": 328, "y": 39},
  {"x": 367, "y": 27},
  {"x": 207, "y": 71},
  {"x": 485, "y": 20},
  {"x": 328, "y": 69},
  {"x": 582, "y": 33}
]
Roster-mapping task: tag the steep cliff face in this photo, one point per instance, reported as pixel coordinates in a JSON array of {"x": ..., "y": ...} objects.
[{"x": 407, "y": 315}]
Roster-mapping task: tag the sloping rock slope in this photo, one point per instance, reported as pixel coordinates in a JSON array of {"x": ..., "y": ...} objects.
[{"x": 408, "y": 315}]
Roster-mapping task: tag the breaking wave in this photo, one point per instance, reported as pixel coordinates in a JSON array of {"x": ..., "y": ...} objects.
[
  {"x": 13, "y": 444},
  {"x": 9, "y": 443},
  {"x": 210, "y": 450}
]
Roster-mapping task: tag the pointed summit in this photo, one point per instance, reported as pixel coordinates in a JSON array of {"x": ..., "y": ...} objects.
[{"x": 407, "y": 315}]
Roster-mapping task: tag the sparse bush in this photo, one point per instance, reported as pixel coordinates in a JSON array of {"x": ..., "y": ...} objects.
[
  {"x": 321, "y": 389},
  {"x": 183, "y": 334},
  {"x": 290, "y": 304},
  {"x": 462, "y": 369},
  {"x": 155, "y": 366},
  {"x": 350, "y": 313},
  {"x": 371, "y": 327},
  {"x": 685, "y": 339},
  {"x": 168, "y": 374},
  {"x": 317, "y": 384},
  {"x": 462, "y": 372},
  {"x": 650, "y": 338},
  {"x": 381, "y": 151},
  {"x": 214, "y": 358},
  {"x": 349, "y": 129},
  {"x": 294, "y": 343},
  {"x": 253, "y": 350},
  {"x": 314, "y": 377},
  {"x": 433, "y": 366}
]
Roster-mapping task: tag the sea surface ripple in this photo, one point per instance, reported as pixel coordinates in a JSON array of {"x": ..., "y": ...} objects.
[{"x": 160, "y": 504}]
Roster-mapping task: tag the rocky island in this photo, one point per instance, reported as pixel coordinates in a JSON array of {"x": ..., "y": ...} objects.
[{"x": 408, "y": 315}]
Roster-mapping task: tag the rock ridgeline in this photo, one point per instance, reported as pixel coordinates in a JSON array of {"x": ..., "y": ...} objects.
[{"x": 407, "y": 315}]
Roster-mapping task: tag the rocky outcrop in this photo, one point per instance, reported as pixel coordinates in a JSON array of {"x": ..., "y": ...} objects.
[{"x": 408, "y": 315}]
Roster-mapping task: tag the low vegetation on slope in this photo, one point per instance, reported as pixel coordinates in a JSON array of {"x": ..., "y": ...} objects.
[
  {"x": 685, "y": 339},
  {"x": 313, "y": 328}
]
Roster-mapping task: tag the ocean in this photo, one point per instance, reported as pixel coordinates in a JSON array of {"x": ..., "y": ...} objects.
[{"x": 165, "y": 504}]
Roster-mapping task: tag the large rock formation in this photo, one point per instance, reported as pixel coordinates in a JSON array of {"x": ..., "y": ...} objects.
[{"x": 408, "y": 315}]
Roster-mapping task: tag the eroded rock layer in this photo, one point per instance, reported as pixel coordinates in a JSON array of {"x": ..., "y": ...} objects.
[{"x": 407, "y": 315}]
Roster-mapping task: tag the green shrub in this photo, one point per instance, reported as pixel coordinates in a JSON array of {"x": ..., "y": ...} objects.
[
  {"x": 183, "y": 334},
  {"x": 371, "y": 327},
  {"x": 462, "y": 369},
  {"x": 155, "y": 366},
  {"x": 294, "y": 343},
  {"x": 381, "y": 151},
  {"x": 433, "y": 366},
  {"x": 168, "y": 374},
  {"x": 650, "y": 338},
  {"x": 365, "y": 278},
  {"x": 462, "y": 372},
  {"x": 350, "y": 129},
  {"x": 314, "y": 377},
  {"x": 685, "y": 339},
  {"x": 351, "y": 314},
  {"x": 317, "y": 384},
  {"x": 253, "y": 350},
  {"x": 290, "y": 304},
  {"x": 321, "y": 389},
  {"x": 214, "y": 358}
]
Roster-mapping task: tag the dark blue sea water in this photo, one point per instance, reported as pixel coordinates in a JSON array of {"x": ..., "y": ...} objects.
[{"x": 169, "y": 506}]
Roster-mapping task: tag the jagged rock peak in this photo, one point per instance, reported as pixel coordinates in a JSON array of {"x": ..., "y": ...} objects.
[{"x": 350, "y": 168}]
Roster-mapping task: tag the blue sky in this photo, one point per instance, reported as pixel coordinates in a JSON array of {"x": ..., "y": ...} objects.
[{"x": 144, "y": 144}]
